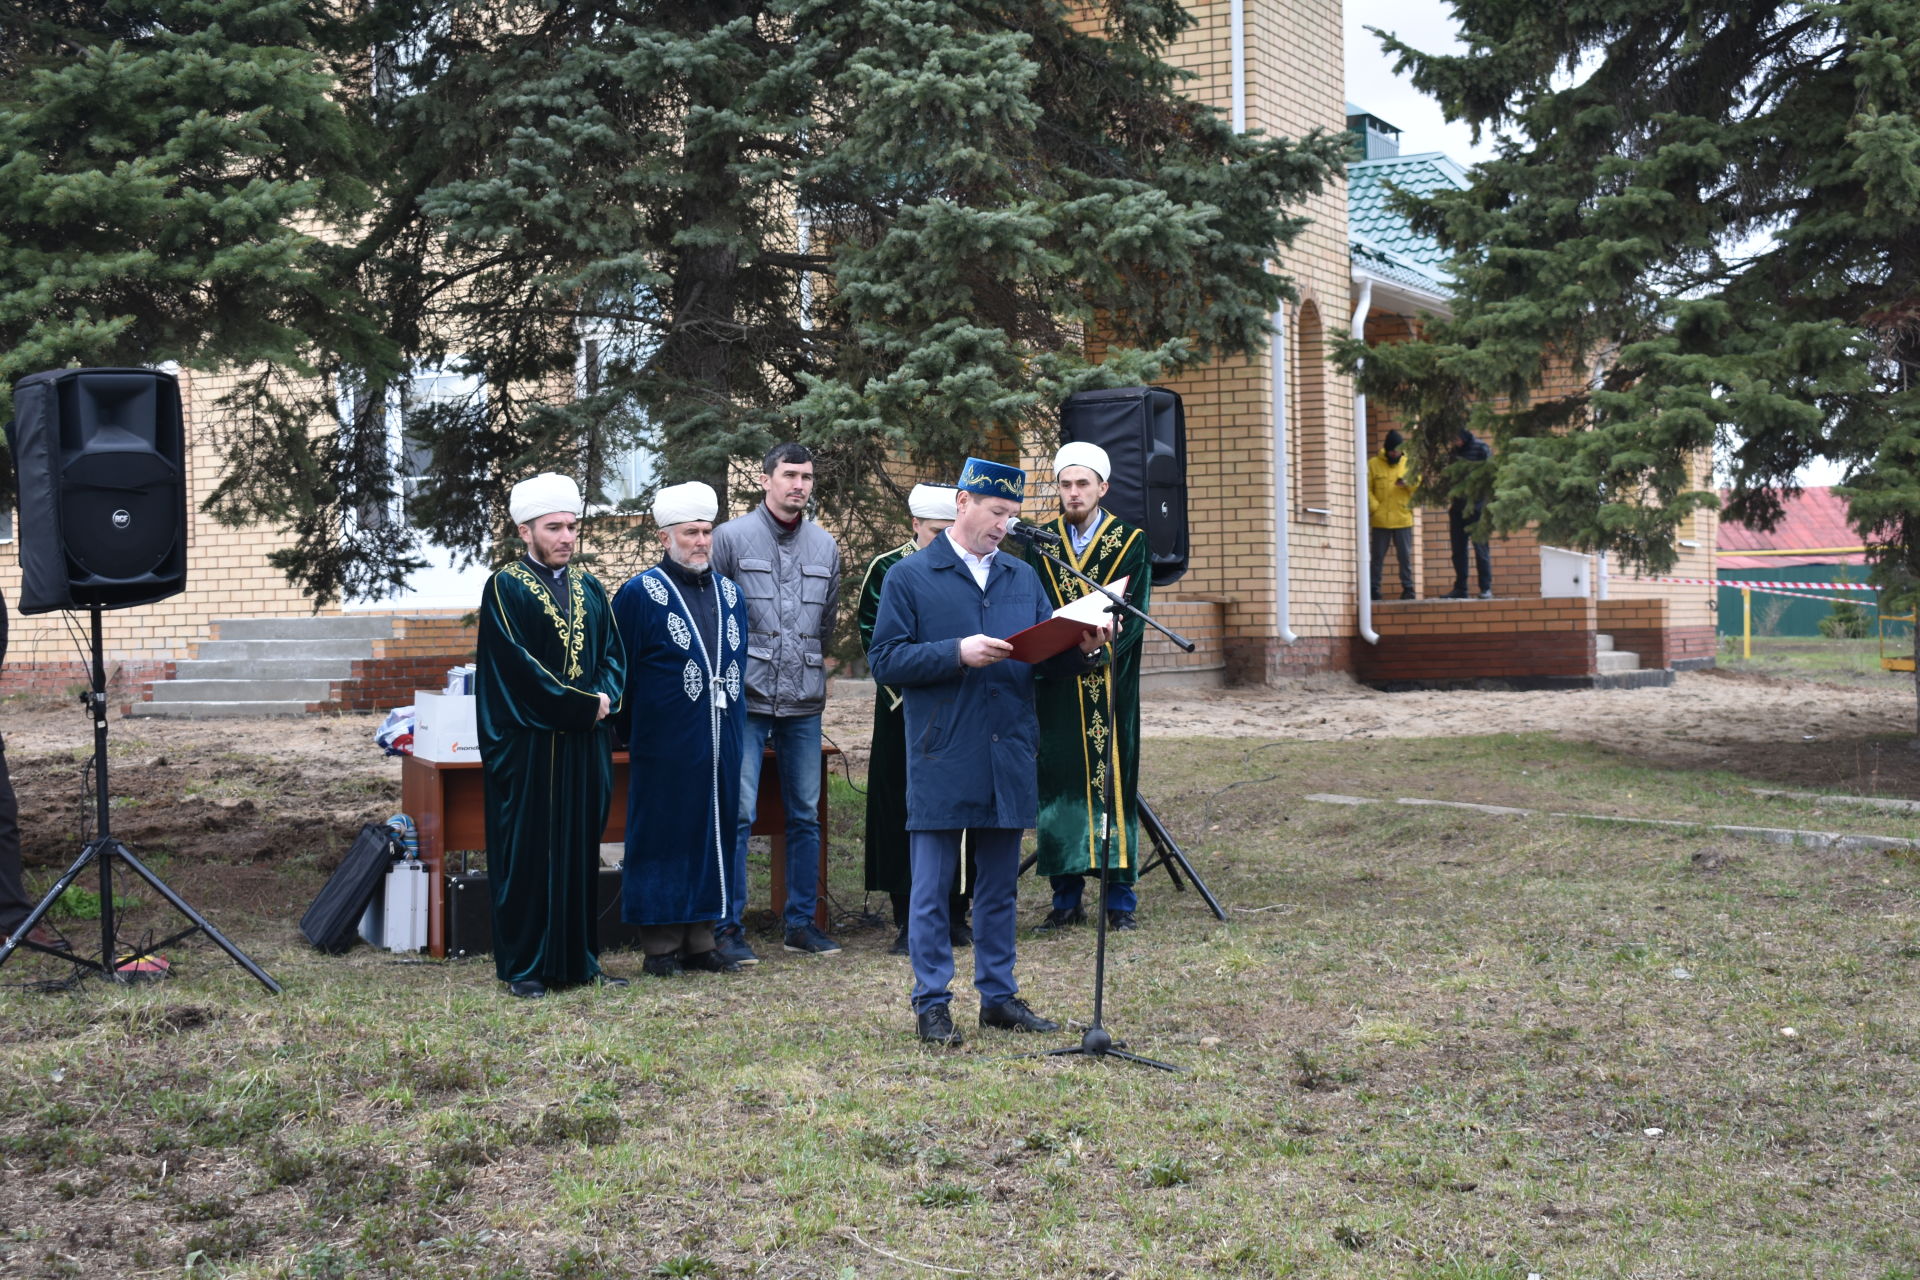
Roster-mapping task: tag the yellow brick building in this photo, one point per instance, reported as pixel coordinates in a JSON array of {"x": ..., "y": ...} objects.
[{"x": 1276, "y": 580}]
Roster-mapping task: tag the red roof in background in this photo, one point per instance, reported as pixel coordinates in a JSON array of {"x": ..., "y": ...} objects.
[{"x": 1814, "y": 519}]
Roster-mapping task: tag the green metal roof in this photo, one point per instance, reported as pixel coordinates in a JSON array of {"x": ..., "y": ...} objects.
[{"x": 1382, "y": 242}]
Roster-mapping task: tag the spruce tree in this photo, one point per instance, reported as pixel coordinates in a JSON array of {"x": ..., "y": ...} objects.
[
  {"x": 898, "y": 230},
  {"x": 164, "y": 168},
  {"x": 1700, "y": 231}
]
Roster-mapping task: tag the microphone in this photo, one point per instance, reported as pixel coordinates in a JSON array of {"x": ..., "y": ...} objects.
[{"x": 1018, "y": 528}]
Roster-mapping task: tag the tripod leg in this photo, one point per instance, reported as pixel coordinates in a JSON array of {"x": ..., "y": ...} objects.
[
  {"x": 1172, "y": 852},
  {"x": 9, "y": 945},
  {"x": 179, "y": 904}
]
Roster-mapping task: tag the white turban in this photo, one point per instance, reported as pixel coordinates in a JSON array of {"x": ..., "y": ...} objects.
[
  {"x": 679, "y": 503},
  {"x": 542, "y": 496},
  {"x": 1081, "y": 454},
  {"x": 932, "y": 502}
]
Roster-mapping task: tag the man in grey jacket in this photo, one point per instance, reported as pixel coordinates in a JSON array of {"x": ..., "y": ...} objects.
[{"x": 789, "y": 568}]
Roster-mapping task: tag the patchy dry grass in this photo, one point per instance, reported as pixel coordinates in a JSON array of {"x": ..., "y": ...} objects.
[{"x": 1427, "y": 1043}]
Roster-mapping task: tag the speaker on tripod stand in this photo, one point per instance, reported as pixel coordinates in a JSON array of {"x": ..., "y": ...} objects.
[{"x": 100, "y": 455}]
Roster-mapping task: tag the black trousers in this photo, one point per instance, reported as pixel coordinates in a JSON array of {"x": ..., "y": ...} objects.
[
  {"x": 13, "y": 896},
  {"x": 1458, "y": 519}
]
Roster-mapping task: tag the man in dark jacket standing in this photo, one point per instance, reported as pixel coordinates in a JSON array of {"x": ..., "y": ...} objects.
[
  {"x": 789, "y": 568},
  {"x": 14, "y": 906},
  {"x": 972, "y": 739},
  {"x": 1460, "y": 518}
]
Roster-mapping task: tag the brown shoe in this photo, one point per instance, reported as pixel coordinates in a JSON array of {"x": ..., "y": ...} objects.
[{"x": 41, "y": 935}]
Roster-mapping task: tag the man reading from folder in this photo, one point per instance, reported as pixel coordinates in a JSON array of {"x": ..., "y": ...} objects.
[{"x": 971, "y": 739}]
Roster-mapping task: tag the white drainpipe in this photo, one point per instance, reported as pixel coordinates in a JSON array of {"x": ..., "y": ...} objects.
[
  {"x": 1359, "y": 330},
  {"x": 1237, "y": 38},
  {"x": 1281, "y": 571}
]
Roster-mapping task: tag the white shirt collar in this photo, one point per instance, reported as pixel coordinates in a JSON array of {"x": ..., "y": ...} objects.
[{"x": 979, "y": 565}]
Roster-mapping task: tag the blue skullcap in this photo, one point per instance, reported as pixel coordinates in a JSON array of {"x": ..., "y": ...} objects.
[{"x": 993, "y": 480}]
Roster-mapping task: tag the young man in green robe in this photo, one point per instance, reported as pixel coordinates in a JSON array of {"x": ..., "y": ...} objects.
[
  {"x": 889, "y": 861},
  {"x": 1079, "y": 714},
  {"x": 550, "y": 670}
]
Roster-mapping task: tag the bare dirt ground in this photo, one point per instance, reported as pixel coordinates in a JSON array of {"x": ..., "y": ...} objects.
[
  {"x": 258, "y": 810},
  {"x": 1799, "y": 732}
]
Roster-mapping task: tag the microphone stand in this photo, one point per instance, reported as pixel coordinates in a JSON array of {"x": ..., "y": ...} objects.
[{"x": 1096, "y": 1041}]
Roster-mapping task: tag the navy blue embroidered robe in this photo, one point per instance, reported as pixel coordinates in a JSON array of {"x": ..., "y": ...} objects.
[{"x": 686, "y": 709}]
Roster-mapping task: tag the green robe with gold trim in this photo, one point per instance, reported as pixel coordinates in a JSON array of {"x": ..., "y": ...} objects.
[
  {"x": 546, "y": 765},
  {"x": 889, "y": 866},
  {"x": 1078, "y": 713}
]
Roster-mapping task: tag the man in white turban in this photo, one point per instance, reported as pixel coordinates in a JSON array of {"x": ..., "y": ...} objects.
[
  {"x": 889, "y": 863},
  {"x": 549, "y": 673},
  {"x": 685, "y": 631},
  {"x": 1072, "y": 763}
]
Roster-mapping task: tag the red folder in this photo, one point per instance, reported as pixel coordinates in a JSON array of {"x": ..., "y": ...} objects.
[{"x": 1067, "y": 627}]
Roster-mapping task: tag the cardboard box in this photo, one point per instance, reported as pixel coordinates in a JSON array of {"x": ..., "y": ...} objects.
[{"x": 445, "y": 727}]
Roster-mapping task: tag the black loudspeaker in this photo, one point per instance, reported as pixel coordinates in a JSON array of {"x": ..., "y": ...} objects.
[
  {"x": 101, "y": 457},
  {"x": 1144, "y": 431}
]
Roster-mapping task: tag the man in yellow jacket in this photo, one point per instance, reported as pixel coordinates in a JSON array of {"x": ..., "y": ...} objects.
[{"x": 1390, "y": 512}]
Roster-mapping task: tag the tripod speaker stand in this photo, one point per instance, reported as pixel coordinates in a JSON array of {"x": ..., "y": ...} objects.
[{"x": 104, "y": 850}]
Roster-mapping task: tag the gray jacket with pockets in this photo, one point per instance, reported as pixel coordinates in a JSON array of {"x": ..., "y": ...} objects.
[{"x": 792, "y": 585}]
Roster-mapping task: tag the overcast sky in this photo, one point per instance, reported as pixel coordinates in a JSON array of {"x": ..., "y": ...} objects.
[{"x": 1426, "y": 25}]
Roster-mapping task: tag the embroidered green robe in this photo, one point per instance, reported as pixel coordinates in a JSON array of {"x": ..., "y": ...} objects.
[
  {"x": 889, "y": 867},
  {"x": 1078, "y": 713},
  {"x": 547, "y": 767}
]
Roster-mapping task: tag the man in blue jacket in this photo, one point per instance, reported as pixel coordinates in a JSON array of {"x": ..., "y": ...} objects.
[{"x": 972, "y": 739}]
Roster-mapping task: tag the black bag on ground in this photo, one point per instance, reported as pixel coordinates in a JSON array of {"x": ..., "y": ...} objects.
[{"x": 332, "y": 923}]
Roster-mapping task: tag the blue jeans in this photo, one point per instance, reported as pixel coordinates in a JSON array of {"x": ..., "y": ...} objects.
[
  {"x": 796, "y": 746},
  {"x": 1067, "y": 891}
]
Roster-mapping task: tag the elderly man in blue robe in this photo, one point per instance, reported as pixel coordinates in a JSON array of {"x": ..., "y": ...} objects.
[
  {"x": 941, "y": 637},
  {"x": 685, "y": 629}
]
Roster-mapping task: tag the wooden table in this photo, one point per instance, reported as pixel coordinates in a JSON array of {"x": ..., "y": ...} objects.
[{"x": 444, "y": 801}]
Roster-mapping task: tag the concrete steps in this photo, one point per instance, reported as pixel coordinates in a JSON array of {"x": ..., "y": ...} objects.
[
  {"x": 262, "y": 667},
  {"x": 1609, "y": 661}
]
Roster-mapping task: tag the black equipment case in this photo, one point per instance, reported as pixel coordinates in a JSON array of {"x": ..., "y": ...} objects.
[
  {"x": 469, "y": 904},
  {"x": 332, "y": 923}
]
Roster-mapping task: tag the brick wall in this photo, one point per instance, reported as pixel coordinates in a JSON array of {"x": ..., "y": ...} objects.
[
  {"x": 1517, "y": 640},
  {"x": 1199, "y": 619},
  {"x": 415, "y": 657}
]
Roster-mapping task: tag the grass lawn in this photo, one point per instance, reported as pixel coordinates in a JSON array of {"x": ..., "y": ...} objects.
[
  {"x": 1426, "y": 1043},
  {"x": 1818, "y": 658}
]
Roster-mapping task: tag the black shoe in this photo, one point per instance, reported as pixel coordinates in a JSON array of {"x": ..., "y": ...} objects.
[
  {"x": 1458, "y": 593},
  {"x": 608, "y": 980},
  {"x": 531, "y": 989},
  {"x": 732, "y": 944},
  {"x": 709, "y": 962},
  {"x": 1013, "y": 1015},
  {"x": 1058, "y": 919},
  {"x": 936, "y": 1027},
  {"x": 899, "y": 947},
  {"x": 959, "y": 932},
  {"x": 1378, "y": 596},
  {"x": 1121, "y": 921},
  {"x": 811, "y": 941},
  {"x": 663, "y": 966},
  {"x": 1408, "y": 595}
]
